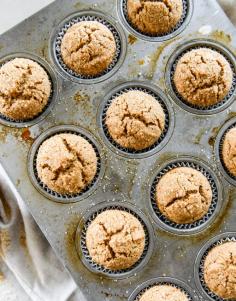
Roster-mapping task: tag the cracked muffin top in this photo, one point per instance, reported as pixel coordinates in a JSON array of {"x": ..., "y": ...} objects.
[
  {"x": 229, "y": 151},
  {"x": 220, "y": 270},
  {"x": 24, "y": 89},
  {"x": 66, "y": 163},
  {"x": 187, "y": 199},
  {"x": 88, "y": 48},
  {"x": 115, "y": 239},
  {"x": 164, "y": 293},
  {"x": 154, "y": 17},
  {"x": 135, "y": 120},
  {"x": 203, "y": 77}
]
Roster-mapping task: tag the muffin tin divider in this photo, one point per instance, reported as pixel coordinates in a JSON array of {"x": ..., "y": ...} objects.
[{"x": 124, "y": 178}]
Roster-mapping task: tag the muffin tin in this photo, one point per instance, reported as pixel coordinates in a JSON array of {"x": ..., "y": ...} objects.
[{"x": 124, "y": 179}]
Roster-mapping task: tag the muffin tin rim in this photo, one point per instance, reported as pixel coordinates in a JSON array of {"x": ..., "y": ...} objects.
[
  {"x": 147, "y": 38},
  {"x": 46, "y": 135},
  {"x": 55, "y": 85},
  {"x": 97, "y": 13},
  {"x": 149, "y": 85},
  {"x": 164, "y": 279},
  {"x": 224, "y": 128},
  {"x": 184, "y": 46},
  {"x": 122, "y": 203},
  {"x": 185, "y": 232},
  {"x": 199, "y": 258}
]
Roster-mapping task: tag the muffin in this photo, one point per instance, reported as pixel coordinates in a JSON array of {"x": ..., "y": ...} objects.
[
  {"x": 203, "y": 77},
  {"x": 220, "y": 270},
  {"x": 164, "y": 293},
  {"x": 24, "y": 89},
  {"x": 135, "y": 120},
  {"x": 187, "y": 199},
  {"x": 229, "y": 151},
  {"x": 66, "y": 163},
  {"x": 154, "y": 17},
  {"x": 88, "y": 48},
  {"x": 115, "y": 239}
]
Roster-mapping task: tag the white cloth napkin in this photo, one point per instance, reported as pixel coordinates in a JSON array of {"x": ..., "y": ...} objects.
[{"x": 27, "y": 254}]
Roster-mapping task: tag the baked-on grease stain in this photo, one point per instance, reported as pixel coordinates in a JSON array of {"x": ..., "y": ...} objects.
[
  {"x": 231, "y": 115},
  {"x": 79, "y": 5},
  {"x": 84, "y": 104},
  {"x": 221, "y": 36},
  {"x": 110, "y": 296},
  {"x": 26, "y": 135},
  {"x": 23, "y": 135},
  {"x": 215, "y": 132},
  {"x": 44, "y": 50},
  {"x": 81, "y": 97},
  {"x": 132, "y": 39},
  {"x": 199, "y": 136},
  {"x": 154, "y": 57},
  {"x": 141, "y": 62}
]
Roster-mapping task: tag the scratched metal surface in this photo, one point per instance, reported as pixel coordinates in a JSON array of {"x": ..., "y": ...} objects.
[{"x": 126, "y": 179}]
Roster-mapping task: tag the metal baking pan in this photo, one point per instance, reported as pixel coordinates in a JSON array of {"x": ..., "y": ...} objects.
[{"x": 125, "y": 179}]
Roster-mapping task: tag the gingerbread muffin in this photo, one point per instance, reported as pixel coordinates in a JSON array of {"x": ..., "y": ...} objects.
[
  {"x": 154, "y": 17},
  {"x": 220, "y": 270},
  {"x": 135, "y": 120},
  {"x": 66, "y": 163},
  {"x": 229, "y": 151},
  {"x": 203, "y": 77},
  {"x": 164, "y": 293},
  {"x": 187, "y": 199},
  {"x": 115, "y": 239},
  {"x": 88, "y": 48},
  {"x": 24, "y": 89}
]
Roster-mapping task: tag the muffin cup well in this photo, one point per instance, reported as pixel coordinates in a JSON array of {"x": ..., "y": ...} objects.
[
  {"x": 52, "y": 98},
  {"x": 216, "y": 204},
  {"x": 188, "y": 6},
  {"x": 199, "y": 264},
  {"x": 171, "y": 67},
  {"x": 218, "y": 150},
  {"x": 159, "y": 96},
  {"x": 41, "y": 187},
  {"x": 141, "y": 289},
  {"x": 61, "y": 29},
  {"x": 83, "y": 252}
]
